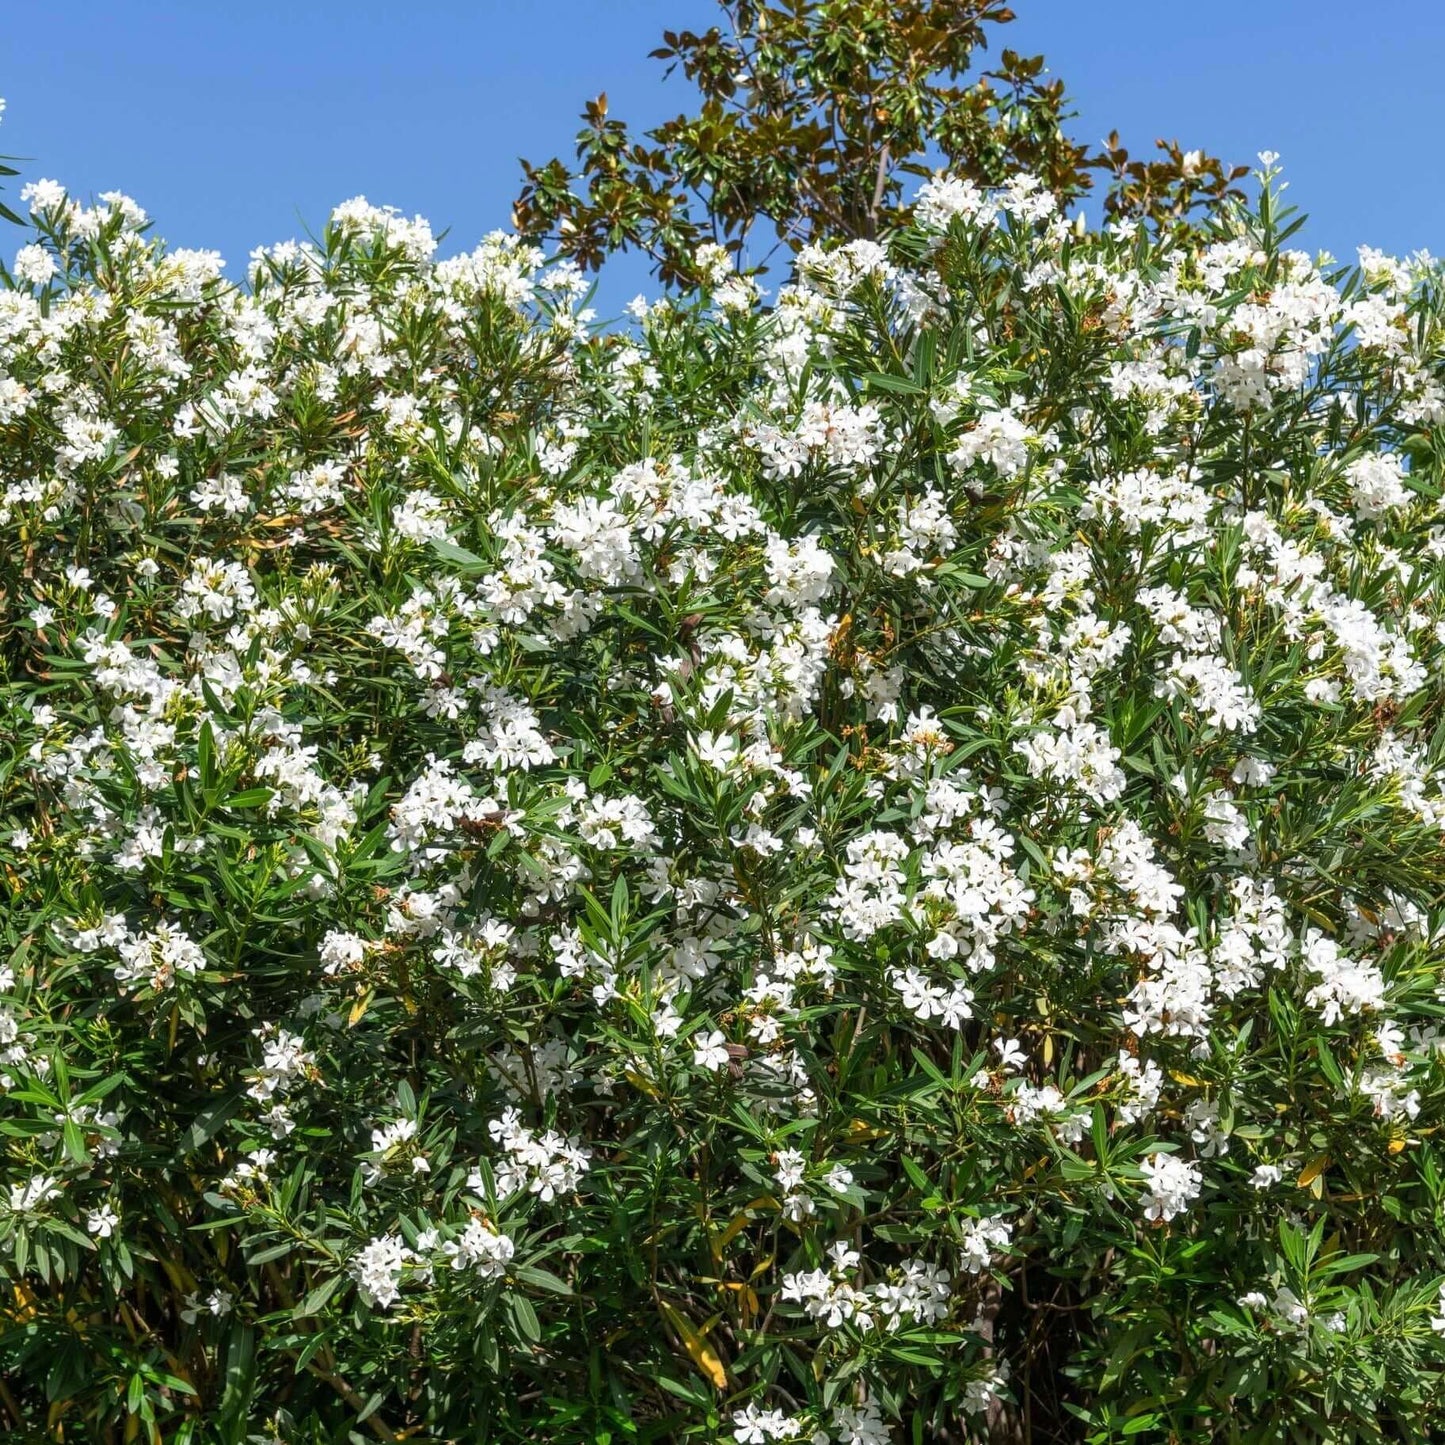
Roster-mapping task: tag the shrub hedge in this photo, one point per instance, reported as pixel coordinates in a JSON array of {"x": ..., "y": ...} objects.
[{"x": 863, "y": 865}]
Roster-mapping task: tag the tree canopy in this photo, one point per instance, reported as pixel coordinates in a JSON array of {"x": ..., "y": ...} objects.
[{"x": 813, "y": 117}]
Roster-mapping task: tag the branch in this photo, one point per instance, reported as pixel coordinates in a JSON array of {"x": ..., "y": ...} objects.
[
  {"x": 374, "y": 1423},
  {"x": 883, "y": 160}
]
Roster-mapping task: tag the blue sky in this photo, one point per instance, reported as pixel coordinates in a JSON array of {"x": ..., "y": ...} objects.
[{"x": 241, "y": 125}]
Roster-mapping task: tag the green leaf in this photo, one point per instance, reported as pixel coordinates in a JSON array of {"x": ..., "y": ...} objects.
[
  {"x": 525, "y": 1316},
  {"x": 249, "y": 798},
  {"x": 206, "y": 756},
  {"x": 74, "y": 1141},
  {"x": 900, "y": 385},
  {"x": 459, "y": 557},
  {"x": 275, "y": 1251},
  {"x": 315, "y": 1299},
  {"x": 205, "y": 1125},
  {"x": 542, "y": 1279}
]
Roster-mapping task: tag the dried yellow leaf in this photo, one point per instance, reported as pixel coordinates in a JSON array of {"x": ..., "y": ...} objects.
[{"x": 702, "y": 1354}]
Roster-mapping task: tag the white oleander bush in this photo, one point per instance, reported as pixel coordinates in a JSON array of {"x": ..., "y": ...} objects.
[{"x": 863, "y": 865}]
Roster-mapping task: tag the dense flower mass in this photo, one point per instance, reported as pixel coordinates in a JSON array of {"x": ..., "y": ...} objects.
[{"x": 860, "y": 866}]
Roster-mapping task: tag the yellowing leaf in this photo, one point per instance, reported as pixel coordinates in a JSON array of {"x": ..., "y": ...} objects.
[
  {"x": 748, "y": 1302},
  {"x": 182, "y": 1280},
  {"x": 740, "y": 1223},
  {"x": 641, "y": 1083},
  {"x": 702, "y": 1354},
  {"x": 1313, "y": 1170}
]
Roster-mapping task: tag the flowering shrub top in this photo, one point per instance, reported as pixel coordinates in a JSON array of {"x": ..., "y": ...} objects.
[{"x": 868, "y": 868}]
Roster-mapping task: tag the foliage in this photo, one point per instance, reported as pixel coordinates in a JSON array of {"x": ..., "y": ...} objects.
[
  {"x": 863, "y": 870},
  {"x": 813, "y": 116},
  {"x": 6, "y": 172}
]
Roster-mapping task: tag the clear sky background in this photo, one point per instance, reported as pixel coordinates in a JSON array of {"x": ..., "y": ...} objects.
[{"x": 237, "y": 125}]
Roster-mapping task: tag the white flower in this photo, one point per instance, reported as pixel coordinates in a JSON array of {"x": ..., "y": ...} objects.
[
  {"x": 715, "y": 751},
  {"x": 545, "y": 1164},
  {"x": 377, "y": 1270},
  {"x": 217, "y": 1304},
  {"x": 1377, "y": 483},
  {"x": 102, "y": 1222},
  {"x": 982, "y": 1238},
  {"x": 341, "y": 950},
  {"x": 1172, "y": 1183},
  {"x": 1010, "y": 1055},
  {"x": 1346, "y": 986},
  {"x": 712, "y": 1052},
  {"x": 483, "y": 1247},
  {"x": 34, "y": 265},
  {"x": 863, "y": 1425},
  {"x": 37, "y": 1190}
]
